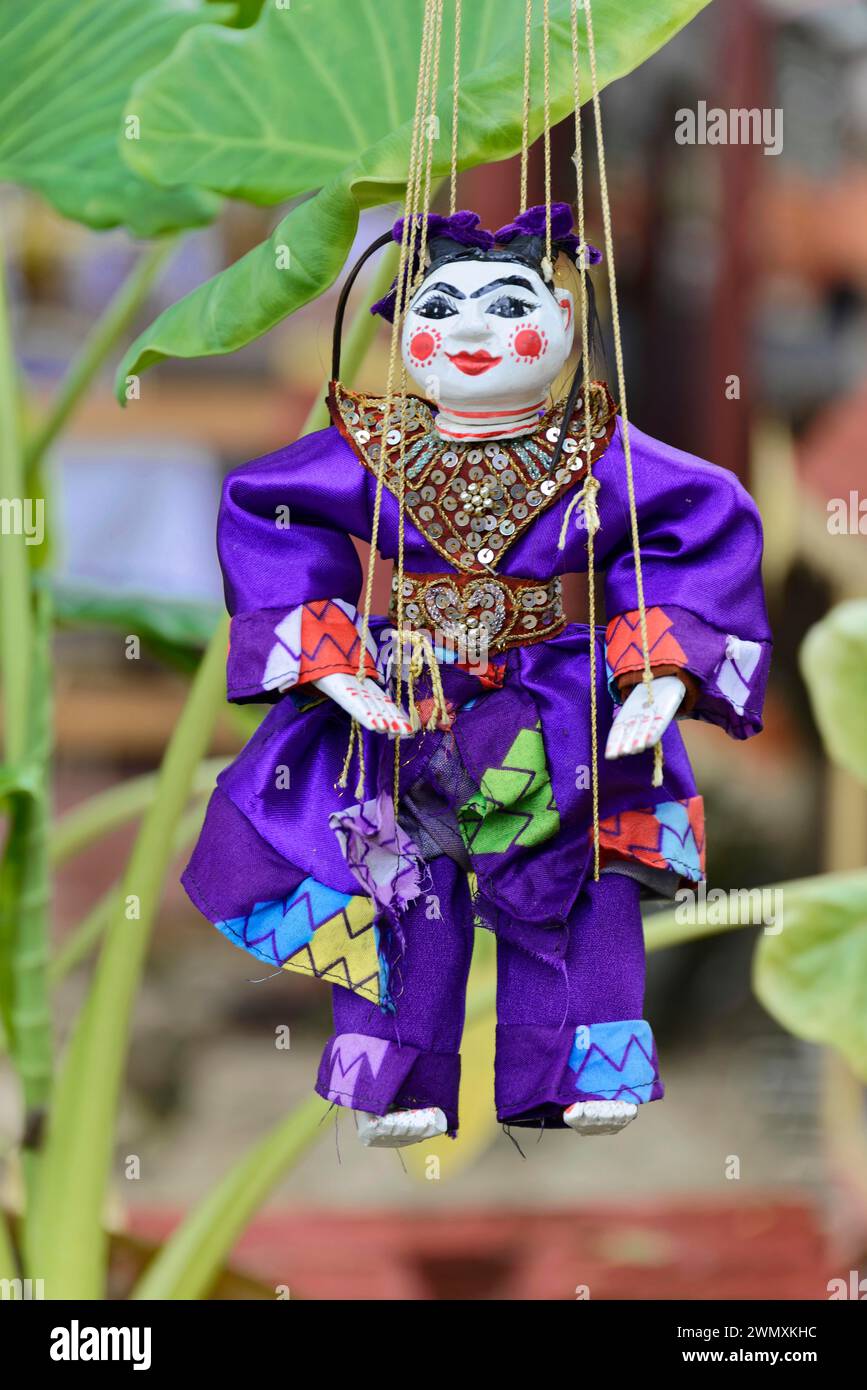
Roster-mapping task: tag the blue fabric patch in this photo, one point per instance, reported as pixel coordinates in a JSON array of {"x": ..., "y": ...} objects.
[
  {"x": 386, "y": 1003},
  {"x": 274, "y": 931},
  {"x": 612, "y": 686},
  {"x": 615, "y": 1061},
  {"x": 676, "y": 840}
]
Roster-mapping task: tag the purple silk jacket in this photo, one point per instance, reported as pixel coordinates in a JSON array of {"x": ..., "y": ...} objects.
[{"x": 270, "y": 870}]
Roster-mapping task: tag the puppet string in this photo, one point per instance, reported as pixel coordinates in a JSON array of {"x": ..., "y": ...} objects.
[
  {"x": 418, "y": 215},
  {"x": 525, "y": 107},
  {"x": 408, "y": 233},
  {"x": 546, "y": 57},
  {"x": 590, "y": 490},
  {"x": 647, "y": 674},
  {"x": 456, "y": 73}
]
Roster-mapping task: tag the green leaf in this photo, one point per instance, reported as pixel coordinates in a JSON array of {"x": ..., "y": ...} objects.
[
  {"x": 246, "y": 12},
  {"x": 812, "y": 976},
  {"x": 162, "y": 622},
  {"x": 68, "y": 66},
  {"x": 834, "y": 667},
  {"x": 252, "y": 295},
  {"x": 321, "y": 98}
]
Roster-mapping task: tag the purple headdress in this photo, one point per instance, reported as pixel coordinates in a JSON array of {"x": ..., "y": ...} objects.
[
  {"x": 532, "y": 225},
  {"x": 461, "y": 230},
  {"x": 459, "y": 237}
]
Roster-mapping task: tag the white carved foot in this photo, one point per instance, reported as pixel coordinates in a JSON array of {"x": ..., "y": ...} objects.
[
  {"x": 400, "y": 1127},
  {"x": 599, "y": 1116}
]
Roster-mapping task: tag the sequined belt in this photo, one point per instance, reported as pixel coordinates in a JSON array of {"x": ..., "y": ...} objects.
[{"x": 474, "y": 612}]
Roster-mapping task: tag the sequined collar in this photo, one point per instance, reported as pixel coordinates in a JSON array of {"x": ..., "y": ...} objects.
[{"x": 470, "y": 501}]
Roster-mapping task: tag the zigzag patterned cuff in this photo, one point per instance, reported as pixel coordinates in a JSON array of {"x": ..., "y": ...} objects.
[
  {"x": 729, "y": 673},
  {"x": 273, "y": 649},
  {"x": 615, "y": 1061}
]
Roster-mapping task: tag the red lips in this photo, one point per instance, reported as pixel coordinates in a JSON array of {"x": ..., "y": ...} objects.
[{"x": 473, "y": 363}]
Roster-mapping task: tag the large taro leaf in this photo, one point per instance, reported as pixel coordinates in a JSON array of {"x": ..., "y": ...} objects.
[
  {"x": 320, "y": 96},
  {"x": 67, "y": 68},
  {"x": 834, "y": 667},
  {"x": 812, "y": 976}
]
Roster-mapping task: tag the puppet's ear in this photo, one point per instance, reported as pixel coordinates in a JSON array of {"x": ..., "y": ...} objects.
[{"x": 567, "y": 307}]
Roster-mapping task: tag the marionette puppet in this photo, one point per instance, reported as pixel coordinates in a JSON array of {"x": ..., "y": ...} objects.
[{"x": 434, "y": 769}]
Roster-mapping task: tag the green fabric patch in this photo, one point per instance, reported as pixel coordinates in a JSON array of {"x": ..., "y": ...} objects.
[{"x": 515, "y": 803}]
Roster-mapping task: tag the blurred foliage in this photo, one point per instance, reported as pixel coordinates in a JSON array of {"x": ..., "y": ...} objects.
[
  {"x": 246, "y": 12},
  {"x": 67, "y": 72},
  {"x": 834, "y": 667},
  {"x": 173, "y": 630},
  {"x": 812, "y": 975},
  {"x": 338, "y": 134}
]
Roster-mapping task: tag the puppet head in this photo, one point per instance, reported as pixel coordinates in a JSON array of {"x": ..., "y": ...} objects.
[{"x": 488, "y": 331}]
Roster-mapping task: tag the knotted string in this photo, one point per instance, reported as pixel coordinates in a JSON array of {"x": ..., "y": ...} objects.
[
  {"x": 586, "y": 500},
  {"x": 422, "y": 655}
]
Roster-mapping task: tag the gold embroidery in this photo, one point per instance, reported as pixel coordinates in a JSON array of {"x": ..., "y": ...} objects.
[
  {"x": 471, "y": 501},
  {"x": 482, "y": 614}
]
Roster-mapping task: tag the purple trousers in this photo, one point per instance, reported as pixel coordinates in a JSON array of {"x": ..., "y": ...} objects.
[{"x": 567, "y": 1029}]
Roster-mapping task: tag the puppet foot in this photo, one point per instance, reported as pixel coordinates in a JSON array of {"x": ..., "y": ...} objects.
[
  {"x": 400, "y": 1127},
  {"x": 599, "y": 1116}
]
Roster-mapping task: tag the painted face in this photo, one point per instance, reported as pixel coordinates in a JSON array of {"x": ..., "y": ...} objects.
[{"x": 487, "y": 333}]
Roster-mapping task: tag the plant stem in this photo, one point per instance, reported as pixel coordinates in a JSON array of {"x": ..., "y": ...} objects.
[
  {"x": 116, "y": 806},
  {"x": 26, "y": 653},
  {"x": 118, "y": 315},
  {"x": 673, "y": 927},
  {"x": 194, "y": 1254},
  {"x": 26, "y": 701},
  {"x": 8, "y": 1263},
  {"x": 86, "y": 936},
  {"x": 65, "y": 1241},
  {"x": 28, "y": 848},
  {"x": 16, "y": 637},
  {"x": 191, "y": 1260}
]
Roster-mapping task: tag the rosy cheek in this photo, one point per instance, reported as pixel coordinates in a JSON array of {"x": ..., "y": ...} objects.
[
  {"x": 528, "y": 344},
  {"x": 423, "y": 345}
]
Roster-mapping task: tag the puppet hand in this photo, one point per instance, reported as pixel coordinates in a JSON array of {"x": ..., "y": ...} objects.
[
  {"x": 367, "y": 702},
  {"x": 638, "y": 725}
]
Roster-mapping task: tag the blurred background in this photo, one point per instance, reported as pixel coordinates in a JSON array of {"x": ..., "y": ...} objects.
[{"x": 743, "y": 282}]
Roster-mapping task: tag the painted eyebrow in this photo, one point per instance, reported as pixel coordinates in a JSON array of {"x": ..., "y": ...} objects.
[
  {"x": 447, "y": 289},
  {"x": 498, "y": 285}
]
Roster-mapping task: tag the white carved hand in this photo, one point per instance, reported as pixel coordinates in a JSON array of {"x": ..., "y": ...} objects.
[
  {"x": 367, "y": 702},
  {"x": 638, "y": 725}
]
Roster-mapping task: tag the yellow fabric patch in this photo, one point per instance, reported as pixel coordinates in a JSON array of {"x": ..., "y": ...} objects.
[{"x": 343, "y": 950}]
